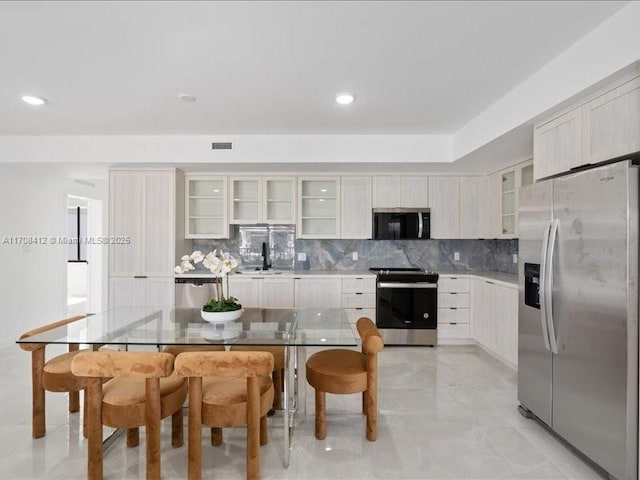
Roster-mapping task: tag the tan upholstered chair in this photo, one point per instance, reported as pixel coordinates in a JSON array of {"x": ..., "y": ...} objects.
[
  {"x": 141, "y": 392},
  {"x": 53, "y": 375},
  {"x": 176, "y": 350},
  {"x": 348, "y": 371},
  {"x": 278, "y": 367},
  {"x": 227, "y": 389}
]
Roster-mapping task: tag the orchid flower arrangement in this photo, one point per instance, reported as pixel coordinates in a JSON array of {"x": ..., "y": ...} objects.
[{"x": 220, "y": 264}]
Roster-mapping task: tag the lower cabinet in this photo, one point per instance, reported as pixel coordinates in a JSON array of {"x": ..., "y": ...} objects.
[
  {"x": 495, "y": 318},
  {"x": 318, "y": 292},
  {"x": 359, "y": 298},
  {"x": 129, "y": 291},
  {"x": 262, "y": 292},
  {"x": 454, "y": 313}
]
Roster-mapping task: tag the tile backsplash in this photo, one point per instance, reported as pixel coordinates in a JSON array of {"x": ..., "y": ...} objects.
[{"x": 495, "y": 255}]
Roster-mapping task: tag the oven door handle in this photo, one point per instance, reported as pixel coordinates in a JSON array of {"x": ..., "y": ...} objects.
[{"x": 407, "y": 285}]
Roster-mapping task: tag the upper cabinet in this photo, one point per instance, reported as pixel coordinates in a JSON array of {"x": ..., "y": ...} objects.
[
  {"x": 501, "y": 200},
  {"x": 355, "y": 210},
  {"x": 444, "y": 202},
  {"x": 206, "y": 207},
  {"x": 142, "y": 222},
  {"x": 318, "y": 207},
  {"x": 402, "y": 192},
  {"x": 603, "y": 126},
  {"x": 611, "y": 123},
  {"x": 262, "y": 200},
  {"x": 471, "y": 207}
]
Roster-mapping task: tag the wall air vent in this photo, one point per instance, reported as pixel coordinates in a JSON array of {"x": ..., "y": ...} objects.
[{"x": 221, "y": 146}]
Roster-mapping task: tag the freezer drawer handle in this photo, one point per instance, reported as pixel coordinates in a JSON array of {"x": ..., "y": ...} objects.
[{"x": 407, "y": 285}]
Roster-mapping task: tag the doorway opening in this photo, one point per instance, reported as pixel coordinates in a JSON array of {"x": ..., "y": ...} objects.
[{"x": 84, "y": 255}]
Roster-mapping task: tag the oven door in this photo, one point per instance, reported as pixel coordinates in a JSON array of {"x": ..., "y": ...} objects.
[{"x": 407, "y": 305}]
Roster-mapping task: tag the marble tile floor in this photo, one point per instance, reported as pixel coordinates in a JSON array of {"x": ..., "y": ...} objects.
[{"x": 445, "y": 413}]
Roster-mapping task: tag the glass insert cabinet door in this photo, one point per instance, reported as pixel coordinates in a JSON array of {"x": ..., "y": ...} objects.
[
  {"x": 262, "y": 200},
  {"x": 206, "y": 207},
  {"x": 509, "y": 203},
  {"x": 319, "y": 207}
]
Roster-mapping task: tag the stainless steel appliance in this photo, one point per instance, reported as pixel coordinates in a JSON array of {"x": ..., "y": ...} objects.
[
  {"x": 578, "y": 312},
  {"x": 407, "y": 306},
  {"x": 401, "y": 223},
  {"x": 195, "y": 291}
]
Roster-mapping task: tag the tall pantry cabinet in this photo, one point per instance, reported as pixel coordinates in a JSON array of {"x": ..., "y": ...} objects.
[{"x": 143, "y": 230}]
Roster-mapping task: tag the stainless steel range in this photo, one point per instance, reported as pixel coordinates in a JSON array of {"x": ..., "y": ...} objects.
[{"x": 407, "y": 306}]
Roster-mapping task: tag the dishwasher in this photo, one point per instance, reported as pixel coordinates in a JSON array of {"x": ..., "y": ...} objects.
[{"x": 194, "y": 292}]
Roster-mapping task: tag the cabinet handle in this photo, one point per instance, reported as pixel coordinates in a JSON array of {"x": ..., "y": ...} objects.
[
  {"x": 256, "y": 278},
  {"x": 297, "y": 278},
  {"x": 453, "y": 278},
  {"x": 359, "y": 278},
  {"x": 359, "y": 308},
  {"x": 453, "y": 293},
  {"x": 491, "y": 283},
  {"x": 139, "y": 276},
  {"x": 453, "y": 323},
  {"x": 358, "y": 293},
  {"x": 453, "y": 308}
]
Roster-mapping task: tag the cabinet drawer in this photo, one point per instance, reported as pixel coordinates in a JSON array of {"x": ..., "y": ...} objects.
[
  {"x": 353, "y": 314},
  {"x": 359, "y": 300},
  {"x": 446, "y": 330},
  {"x": 453, "y": 284},
  {"x": 453, "y": 315},
  {"x": 359, "y": 285},
  {"x": 446, "y": 300}
]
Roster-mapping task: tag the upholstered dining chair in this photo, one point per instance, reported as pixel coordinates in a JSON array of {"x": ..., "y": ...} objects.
[
  {"x": 53, "y": 375},
  {"x": 344, "y": 371},
  {"x": 141, "y": 392},
  {"x": 227, "y": 389},
  {"x": 278, "y": 367}
]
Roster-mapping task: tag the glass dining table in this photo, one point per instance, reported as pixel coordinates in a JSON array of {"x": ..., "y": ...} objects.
[{"x": 157, "y": 327}]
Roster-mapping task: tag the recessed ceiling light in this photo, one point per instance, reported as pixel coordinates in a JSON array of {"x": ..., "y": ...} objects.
[
  {"x": 187, "y": 97},
  {"x": 33, "y": 100},
  {"x": 345, "y": 98}
]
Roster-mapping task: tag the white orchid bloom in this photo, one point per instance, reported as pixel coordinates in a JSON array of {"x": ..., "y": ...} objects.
[
  {"x": 185, "y": 258},
  {"x": 197, "y": 257},
  {"x": 178, "y": 269}
]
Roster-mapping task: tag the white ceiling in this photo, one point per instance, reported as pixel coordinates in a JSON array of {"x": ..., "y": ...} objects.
[{"x": 273, "y": 67}]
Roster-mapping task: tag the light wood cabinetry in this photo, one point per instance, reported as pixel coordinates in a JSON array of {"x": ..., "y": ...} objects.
[
  {"x": 262, "y": 292},
  {"x": 602, "y": 126},
  {"x": 355, "y": 211},
  {"x": 262, "y": 200},
  {"x": 491, "y": 206},
  {"x": 454, "y": 309},
  {"x": 206, "y": 207},
  {"x": 495, "y": 318},
  {"x": 142, "y": 222},
  {"x": 471, "y": 207},
  {"x": 359, "y": 297},
  {"x": 318, "y": 207},
  {"x": 318, "y": 292},
  {"x": 400, "y": 191},
  {"x": 611, "y": 123},
  {"x": 444, "y": 202},
  {"x": 131, "y": 292}
]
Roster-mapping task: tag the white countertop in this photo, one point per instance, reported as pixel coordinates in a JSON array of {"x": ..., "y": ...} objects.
[{"x": 508, "y": 279}]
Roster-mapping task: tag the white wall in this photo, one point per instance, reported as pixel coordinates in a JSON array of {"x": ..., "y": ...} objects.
[{"x": 33, "y": 282}]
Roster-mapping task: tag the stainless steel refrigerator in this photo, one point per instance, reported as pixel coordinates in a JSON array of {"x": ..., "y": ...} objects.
[{"x": 578, "y": 311}]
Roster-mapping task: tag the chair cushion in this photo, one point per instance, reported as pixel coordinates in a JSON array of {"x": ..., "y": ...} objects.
[
  {"x": 131, "y": 390},
  {"x": 57, "y": 376},
  {"x": 123, "y": 400},
  {"x": 276, "y": 350},
  {"x": 337, "y": 371},
  {"x": 224, "y": 400}
]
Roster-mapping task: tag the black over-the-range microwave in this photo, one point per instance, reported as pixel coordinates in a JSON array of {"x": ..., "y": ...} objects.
[{"x": 401, "y": 223}]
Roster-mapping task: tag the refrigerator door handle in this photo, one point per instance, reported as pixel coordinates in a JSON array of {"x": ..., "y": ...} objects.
[
  {"x": 549, "y": 288},
  {"x": 543, "y": 285}
]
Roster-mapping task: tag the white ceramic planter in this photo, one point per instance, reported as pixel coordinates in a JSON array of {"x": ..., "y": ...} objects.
[{"x": 221, "y": 317}]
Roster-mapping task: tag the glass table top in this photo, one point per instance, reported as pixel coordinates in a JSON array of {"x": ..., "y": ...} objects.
[{"x": 184, "y": 326}]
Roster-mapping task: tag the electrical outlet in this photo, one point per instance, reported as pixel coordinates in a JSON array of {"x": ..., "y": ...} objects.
[
  {"x": 456, "y": 256},
  {"x": 515, "y": 258},
  {"x": 354, "y": 256},
  {"x": 302, "y": 257}
]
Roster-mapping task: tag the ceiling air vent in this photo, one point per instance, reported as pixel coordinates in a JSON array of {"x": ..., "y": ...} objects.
[{"x": 221, "y": 146}]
